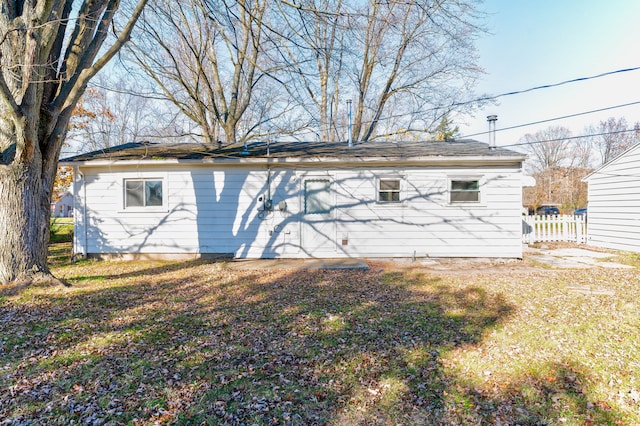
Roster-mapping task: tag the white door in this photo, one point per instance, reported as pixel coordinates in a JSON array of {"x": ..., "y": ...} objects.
[{"x": 317, "y": 213}]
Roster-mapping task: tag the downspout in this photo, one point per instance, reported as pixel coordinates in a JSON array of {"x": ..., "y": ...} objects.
[
  {"x": 269, "y": 200},
  {"x": 268, "y": 170},
  {"x": 84, "y": 209}
]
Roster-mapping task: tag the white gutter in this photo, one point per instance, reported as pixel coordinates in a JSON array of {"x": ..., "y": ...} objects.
[
  {"x": 444, "y": 159},
  {"x": 78, "y": 173}
]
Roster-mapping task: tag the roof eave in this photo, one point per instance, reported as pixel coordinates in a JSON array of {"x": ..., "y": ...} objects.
[
  {"x": 608, "y": 163},
  {"x": 492, "y": 159}
]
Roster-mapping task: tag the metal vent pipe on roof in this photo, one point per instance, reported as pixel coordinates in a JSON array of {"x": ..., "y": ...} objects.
[{"x": 492, "y": 130}]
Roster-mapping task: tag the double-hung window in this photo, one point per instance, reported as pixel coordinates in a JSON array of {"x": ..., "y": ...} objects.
[
  {"x": 464, "y": 191},
  {"x": 143, "y": 193},
  {"x": 389, "y": 190}
]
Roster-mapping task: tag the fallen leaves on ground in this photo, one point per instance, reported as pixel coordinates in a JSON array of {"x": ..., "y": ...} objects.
[{"x": 200, "y": 343}]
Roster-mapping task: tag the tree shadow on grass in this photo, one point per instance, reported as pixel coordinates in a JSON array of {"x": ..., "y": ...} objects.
[
  {"x": 141, "y": 269},
  {"x": 60, "y": 254},
  {"x": 554, "y": 393},
  {"x": 206, "y": 344}
]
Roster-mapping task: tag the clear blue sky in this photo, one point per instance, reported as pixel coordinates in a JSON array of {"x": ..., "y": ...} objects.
[{"x": 533, "y": 43}]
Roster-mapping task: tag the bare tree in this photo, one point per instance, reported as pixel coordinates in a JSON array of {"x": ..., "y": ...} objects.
[
  {"x": 404, "y": 64},
  {"x": 558, "y": 162},
  {"x": 110, "y": 113},
  {"x": 415, "y": 51},
  {"x": 582, "y": 155},
  {"x": 310, "y": 41},
  {"x": 613, "y": 136},
  {"x": 548, "y": 148},
  {"x": 49, "y": 52},
  {"x": 206, "y": 57},
  {"x": 561, "y": 186}
]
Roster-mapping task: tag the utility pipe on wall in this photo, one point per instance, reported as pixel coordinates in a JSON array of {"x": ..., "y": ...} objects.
[{"x": 350, "y": 124}]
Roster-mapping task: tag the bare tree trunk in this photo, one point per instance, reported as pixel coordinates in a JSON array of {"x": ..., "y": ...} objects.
[
  {"x": 44, "y": 69},
  {"x": 23, "y": 244},
  {"x": 230, "y": 131}
]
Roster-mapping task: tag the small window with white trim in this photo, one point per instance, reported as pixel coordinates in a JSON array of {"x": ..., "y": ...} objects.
[
  {"x": 389, "y": 190},
  {"x": 464, "y": 191},
  {"x": 140, "y": 193}
]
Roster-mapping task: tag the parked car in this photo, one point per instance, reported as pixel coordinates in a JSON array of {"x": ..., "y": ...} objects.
[
  {"x": 580, "y": 212},
  {"x": 547, "y": 210}
]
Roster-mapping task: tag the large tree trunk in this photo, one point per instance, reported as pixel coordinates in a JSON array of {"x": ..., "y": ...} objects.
[
  {"x": 44, "y": 69},
  {"x": 24, "y": 220}
]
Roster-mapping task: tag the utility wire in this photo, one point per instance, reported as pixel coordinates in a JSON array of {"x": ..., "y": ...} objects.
[
  {"x": 614, "y": 132},
  {"x": 517, "y": 92},
  {"x": 484, "y": 99},
  {"x": 548, "y": 86},
  {"x": 554, "y": 119}
]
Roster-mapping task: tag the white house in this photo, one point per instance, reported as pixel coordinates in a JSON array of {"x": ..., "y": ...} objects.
[
  {"x": 63, "y": 207},
  {"x": 614, "y": 203},
  {"x": 375, "y": 199}
]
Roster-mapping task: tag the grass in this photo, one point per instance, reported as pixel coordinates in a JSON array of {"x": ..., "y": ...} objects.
[
  {"x": 627, "y": 258},
  {"x": 61, "y": 230},
  {"x": 200, "y": 343}
]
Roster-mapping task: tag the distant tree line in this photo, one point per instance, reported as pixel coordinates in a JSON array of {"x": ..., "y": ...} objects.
[{"x": 559, "y": 161}]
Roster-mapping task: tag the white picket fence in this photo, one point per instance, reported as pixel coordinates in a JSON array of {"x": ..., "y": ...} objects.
[{"x": 554, "y": 228}]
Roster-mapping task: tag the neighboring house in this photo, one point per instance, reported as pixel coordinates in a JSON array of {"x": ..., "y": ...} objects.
[
  {"x": 299, "y": 200},
  {"x": 63, "y": 207},
  {"x": 614, "y": 203}
]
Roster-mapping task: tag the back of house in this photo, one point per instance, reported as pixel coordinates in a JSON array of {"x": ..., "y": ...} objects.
[{"x": 299, "y": 200}]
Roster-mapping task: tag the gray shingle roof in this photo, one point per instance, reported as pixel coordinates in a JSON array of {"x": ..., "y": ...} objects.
[{"x": 334, "y": 150}]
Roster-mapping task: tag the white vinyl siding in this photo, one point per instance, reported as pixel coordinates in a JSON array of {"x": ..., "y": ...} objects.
[
  {"x": 425, "y": 223},
  {"x": 216, "y": 209},
  {"x": 613, "y": 219}
]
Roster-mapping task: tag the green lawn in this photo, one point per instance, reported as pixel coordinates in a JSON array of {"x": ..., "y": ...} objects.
[
  {"x": 61, "y": 229},
  {"x": 200, "y": 343}
]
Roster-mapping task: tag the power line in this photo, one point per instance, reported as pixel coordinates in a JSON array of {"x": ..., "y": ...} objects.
[
  {"x": 614, "y": 132},
  {"x": 555, "y": 119},
  {"x": 548, "y": 86},
  {"x": 516, "y": 92},
  {"x": 469, "y": 102}
]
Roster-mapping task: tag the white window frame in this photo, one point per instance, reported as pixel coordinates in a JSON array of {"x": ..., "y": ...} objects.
[
  {"x": 400, "y": 191},
  {"x": 450, "y": 190},
  {"x": 143, "y": 209}
]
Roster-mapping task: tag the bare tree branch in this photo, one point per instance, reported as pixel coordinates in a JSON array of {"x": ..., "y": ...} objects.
[{"x": 70, "y": 93}]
